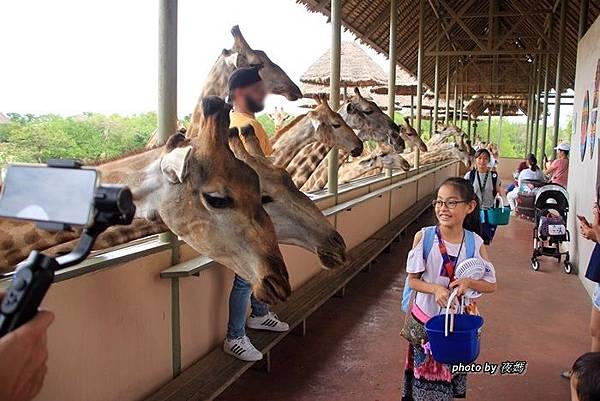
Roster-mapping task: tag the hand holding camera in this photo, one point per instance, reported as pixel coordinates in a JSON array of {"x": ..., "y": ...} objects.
[
  {"x": 57, "y": 197},
  {"x": 23, "y": 356}
]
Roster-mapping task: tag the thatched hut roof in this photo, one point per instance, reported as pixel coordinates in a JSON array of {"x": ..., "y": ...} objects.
[
  {"x": 482, "y": 105},
  {"x": 356, "y": 68},
  {"x": 4, "y": 119},
  {"x": 406, "y": 84}
]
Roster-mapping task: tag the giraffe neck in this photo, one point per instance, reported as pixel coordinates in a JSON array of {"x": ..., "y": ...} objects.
[
  {"x": 214, "y": 84},
  {"x": 306, "y": 162},
  {"x": 318, "y": 179},
  {"x": 141, "y": 173},
  {"x": 355, "y": 170},
  {"x": 291, "y": 143}
]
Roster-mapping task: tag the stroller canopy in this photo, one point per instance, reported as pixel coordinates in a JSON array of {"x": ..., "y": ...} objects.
[{"x": 552, "y": 196}]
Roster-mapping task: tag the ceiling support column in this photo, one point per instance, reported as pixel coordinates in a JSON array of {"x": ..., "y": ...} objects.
[
  {"x": 392, "y": 67},
  {"x": 167, "y": 69},
  {"x": 334, "y": 87},
  {"x": 559, "y": 72},
  {"x": 421, "y": 55}
]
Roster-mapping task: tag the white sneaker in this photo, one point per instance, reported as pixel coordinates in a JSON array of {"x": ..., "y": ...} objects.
[
  {"x": 242, "y": 348},
  {"x": 269, "y": 322}
]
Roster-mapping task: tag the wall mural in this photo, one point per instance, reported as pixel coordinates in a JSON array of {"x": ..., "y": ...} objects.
[
  {"x": 594, "y": 114},
  {"x": 585, "y": 111}
]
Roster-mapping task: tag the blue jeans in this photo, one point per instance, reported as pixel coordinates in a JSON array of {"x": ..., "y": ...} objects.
[{"x": 241, "y": 292}]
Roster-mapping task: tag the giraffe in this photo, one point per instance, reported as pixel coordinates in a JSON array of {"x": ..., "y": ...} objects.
[
  {"x": 242, "y": 55},
  {"x": 297, "y": 219},
  {"x": 361, "y": 115},
  {"x": 384, "y": 156},
  {"x": 204, "y": 194},
  {"x": 316, "y": 178},
  {"x": 279, "y": 118},
  {"x": 444, "y": 151},
  {"x": 319, "y": 125}
]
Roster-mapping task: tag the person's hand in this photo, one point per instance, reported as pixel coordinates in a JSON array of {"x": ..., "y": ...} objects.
[
  {"x": 23, "y": 356},
  {"x": 441, "y": 295},
  {"x": 462, "y": 284}
]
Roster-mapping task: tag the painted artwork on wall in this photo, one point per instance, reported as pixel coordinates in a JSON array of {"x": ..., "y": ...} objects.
[
  {"x": 594, "y": 113},
  {"x": 585, "y": 111}
]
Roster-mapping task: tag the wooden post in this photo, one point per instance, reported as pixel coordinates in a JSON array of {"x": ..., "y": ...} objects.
[
  {"x": 536, "y": 112},
  {"x": 462, "y": 88},
  {"x": 420, "y": 57},
  {"x": 583, "y": 17},
  {"x": 436, "y": 82},
  {"x": 392, "y": 67},
  {"x": 489, "y": 133},
  {"x": 545, "y": 111},
  {"x": 167, "y": 69},
  {"x": 499, "y": 138},
  {"x": 469, "y": 127},
  {"x": 334, "y": 88},
  {"x": 456, "y": 108},
  {"x": 559, "y": 73},
  {"x": 447, "y": 119}
]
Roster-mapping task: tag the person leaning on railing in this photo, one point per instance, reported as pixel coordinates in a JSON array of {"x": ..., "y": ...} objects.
[{"x": 23, "y": 356}]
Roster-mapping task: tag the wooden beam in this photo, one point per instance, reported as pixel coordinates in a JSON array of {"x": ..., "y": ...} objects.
[
  {"x": 466, "y": 52},
  {"x": 461, "y": 23}
]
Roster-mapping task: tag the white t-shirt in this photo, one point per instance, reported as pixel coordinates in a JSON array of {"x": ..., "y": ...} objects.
[
  {"x": 529, "y": 174},
  {"x": 434, "y": 273}
]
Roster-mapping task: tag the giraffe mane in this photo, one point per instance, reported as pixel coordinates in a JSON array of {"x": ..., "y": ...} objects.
[{"x": 287, "y": 127}]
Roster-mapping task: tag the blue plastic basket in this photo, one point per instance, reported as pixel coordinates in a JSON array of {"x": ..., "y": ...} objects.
[{"x": 461, "y": 345}]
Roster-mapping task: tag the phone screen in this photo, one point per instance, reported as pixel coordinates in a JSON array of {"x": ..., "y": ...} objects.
[{"x": 49, "y": 194}]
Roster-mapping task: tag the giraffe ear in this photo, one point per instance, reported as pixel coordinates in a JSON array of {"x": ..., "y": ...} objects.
[
  {"x": 231, "y": 58},
  {"x": 174, "y": 165}
]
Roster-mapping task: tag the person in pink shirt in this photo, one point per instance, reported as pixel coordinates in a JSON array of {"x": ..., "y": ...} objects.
[{"x": 558, "y": 170}]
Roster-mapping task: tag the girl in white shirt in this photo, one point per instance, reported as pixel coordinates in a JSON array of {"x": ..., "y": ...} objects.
[{"x": 457, "y": 210}]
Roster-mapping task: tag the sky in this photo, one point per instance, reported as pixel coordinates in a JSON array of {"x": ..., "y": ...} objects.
[{"x": 73, "y": 56}]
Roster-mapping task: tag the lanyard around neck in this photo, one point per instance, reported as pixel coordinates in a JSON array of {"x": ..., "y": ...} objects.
[
  {"x": 448, "y": 263},
  {"x": 482, "y": 187}
]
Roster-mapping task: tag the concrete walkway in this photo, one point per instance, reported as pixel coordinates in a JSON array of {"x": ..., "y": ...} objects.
[{"x": 353, "y": 350}]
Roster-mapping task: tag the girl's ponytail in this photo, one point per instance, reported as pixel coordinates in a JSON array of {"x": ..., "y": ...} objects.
[{"x": 472, "y": 221}]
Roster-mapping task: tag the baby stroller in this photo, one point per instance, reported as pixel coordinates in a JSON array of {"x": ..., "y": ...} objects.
[{"x": 549, "y": 231}]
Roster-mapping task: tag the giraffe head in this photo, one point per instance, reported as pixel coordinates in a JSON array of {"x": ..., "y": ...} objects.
[
  {"x": 384, "y": 156},
  {"x": 296, "y": 218},
  {"x": 332, "y": 130},
  {"x": 212, "y": 200},
  {"x": 410, "y": 135},
  {"x": 371, "y": 122},
  {"x": 275, "y": 79}
]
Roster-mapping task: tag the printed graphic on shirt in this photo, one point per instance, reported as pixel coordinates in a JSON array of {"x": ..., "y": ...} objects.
[{"x": 585, "y": 111}]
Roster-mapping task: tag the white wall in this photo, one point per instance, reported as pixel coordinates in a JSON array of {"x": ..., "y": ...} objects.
[{"x": 583, "y": 175}]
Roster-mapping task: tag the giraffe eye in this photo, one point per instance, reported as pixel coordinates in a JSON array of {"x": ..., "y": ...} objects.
[
  {"x": 266, "y": 199},
  {"x": 367, "y": 112},
  {"x": 336, "y": 126},
  {"x": 218, "y": 201}
]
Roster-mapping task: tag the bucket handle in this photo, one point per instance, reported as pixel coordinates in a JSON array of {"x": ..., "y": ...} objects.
[{"x": 450, "y": 313}]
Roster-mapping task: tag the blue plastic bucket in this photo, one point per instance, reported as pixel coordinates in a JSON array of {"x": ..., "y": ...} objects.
[
  {"x": 461, "y": 345},
  {"x": 498, "y": 216}
]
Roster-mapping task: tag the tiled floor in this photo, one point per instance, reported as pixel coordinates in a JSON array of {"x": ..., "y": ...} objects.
[{"x": 353, "y": 350}]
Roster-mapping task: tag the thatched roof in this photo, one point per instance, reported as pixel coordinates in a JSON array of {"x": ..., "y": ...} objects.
[
  {"x": 4, "y": 119},
  {"x": 511, "y": 105},
  {"x": 356, "y": 68},
  {"x": 369, "y": 21},
  {"x": 406, "y": 84}
]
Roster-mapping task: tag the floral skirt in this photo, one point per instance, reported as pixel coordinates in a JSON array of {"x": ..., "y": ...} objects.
[{"x": 428, "y": 380}]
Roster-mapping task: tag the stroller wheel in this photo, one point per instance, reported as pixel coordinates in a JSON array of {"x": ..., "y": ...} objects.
[
  {"x": 535, "y": 264},
  {"x": 568, "y": 267}
]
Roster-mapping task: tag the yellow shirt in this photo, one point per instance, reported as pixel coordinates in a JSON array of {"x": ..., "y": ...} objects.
[{"x": 240, "y": 120}]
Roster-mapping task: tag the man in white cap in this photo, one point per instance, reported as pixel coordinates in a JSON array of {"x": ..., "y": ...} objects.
[{"x": 558, "y": 170}]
